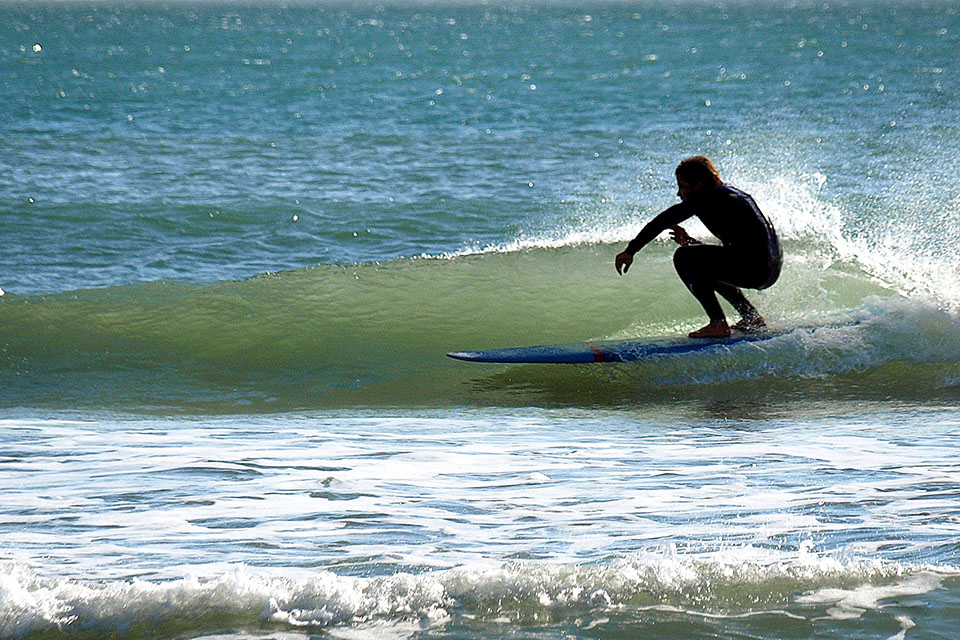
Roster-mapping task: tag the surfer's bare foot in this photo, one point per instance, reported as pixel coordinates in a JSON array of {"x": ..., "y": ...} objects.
[
  {"x": 718, "y": 329},
  {"x": 750, "y": 323}
]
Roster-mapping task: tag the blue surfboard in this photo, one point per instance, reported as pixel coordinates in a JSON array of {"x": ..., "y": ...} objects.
[{"x": 631, "y": 350}]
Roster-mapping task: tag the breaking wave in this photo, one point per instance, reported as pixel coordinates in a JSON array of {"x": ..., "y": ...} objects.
[{"x": 773, "y": 588}]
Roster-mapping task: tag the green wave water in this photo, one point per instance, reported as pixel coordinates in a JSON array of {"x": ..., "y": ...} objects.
[{"x": 376, "y": 334}]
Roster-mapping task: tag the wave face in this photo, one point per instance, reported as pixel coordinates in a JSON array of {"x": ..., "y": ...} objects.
[
  {"x": 695, "y": 597},
  {"x": 375, "y": 334}
]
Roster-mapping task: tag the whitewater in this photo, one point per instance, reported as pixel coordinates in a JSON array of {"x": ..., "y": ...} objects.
[{"x": 237, "y": 241}]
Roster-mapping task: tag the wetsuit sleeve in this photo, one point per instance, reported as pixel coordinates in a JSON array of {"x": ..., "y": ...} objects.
[{"x": 674, "y": 215}]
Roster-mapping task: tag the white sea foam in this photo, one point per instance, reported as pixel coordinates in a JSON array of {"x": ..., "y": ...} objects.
[
  {"x": 892, "y": 248},
  {"x": 109, "y": 523},
  {"x": 852, "y": 602},
  {"x": 730, "y": 582}
]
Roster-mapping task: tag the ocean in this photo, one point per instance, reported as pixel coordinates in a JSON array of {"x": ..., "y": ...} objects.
[{"x": 237, "y": 240}]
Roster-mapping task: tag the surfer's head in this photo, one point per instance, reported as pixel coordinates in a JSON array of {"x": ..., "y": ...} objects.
[{"x": 694, "y": 174}]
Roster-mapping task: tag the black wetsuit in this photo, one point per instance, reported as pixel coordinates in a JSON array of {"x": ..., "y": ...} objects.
[{"x": 750, "y": 255}]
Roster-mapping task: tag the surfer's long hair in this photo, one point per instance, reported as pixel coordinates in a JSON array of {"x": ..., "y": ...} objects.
[{"x": 699, "y": 169}]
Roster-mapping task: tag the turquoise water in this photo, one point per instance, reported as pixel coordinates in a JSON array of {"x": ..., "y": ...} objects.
[{"x": 238, "y": 239}]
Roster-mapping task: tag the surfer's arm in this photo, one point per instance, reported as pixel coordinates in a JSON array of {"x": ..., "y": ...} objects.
[{"x": 669, "y": 218}]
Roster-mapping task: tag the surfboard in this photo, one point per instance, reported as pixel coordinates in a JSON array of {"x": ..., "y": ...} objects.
[{"x": 631, "y": 350}]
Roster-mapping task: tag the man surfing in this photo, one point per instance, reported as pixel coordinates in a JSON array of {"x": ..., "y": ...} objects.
[{"x": 749, "y": 254}]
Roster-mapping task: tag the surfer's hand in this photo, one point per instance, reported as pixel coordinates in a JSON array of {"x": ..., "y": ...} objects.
[
  {"x": 680, "y": 236},
  {"x": 623, "y": 262}
]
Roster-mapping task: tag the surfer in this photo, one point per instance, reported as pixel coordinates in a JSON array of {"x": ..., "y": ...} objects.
[{"x": 749, "y": 254}]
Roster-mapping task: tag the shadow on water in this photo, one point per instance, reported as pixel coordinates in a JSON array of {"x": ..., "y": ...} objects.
[{"x": 622, "y": 387}]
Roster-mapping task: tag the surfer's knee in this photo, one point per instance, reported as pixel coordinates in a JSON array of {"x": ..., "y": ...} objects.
[{"x": 685, "y": 262}]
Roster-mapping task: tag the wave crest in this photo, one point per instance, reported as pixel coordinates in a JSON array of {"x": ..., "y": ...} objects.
[{"x": 730, "y": 582}]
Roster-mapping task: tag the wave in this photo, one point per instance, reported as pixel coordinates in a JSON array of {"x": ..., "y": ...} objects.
[
  {"x": 896, "y": 238},
  {"x": 685, "y": 588},
  {"x": 376, "y": 334}
]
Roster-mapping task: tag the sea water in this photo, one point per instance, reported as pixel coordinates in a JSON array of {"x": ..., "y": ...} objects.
[{"x": 238, "y": 239}]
